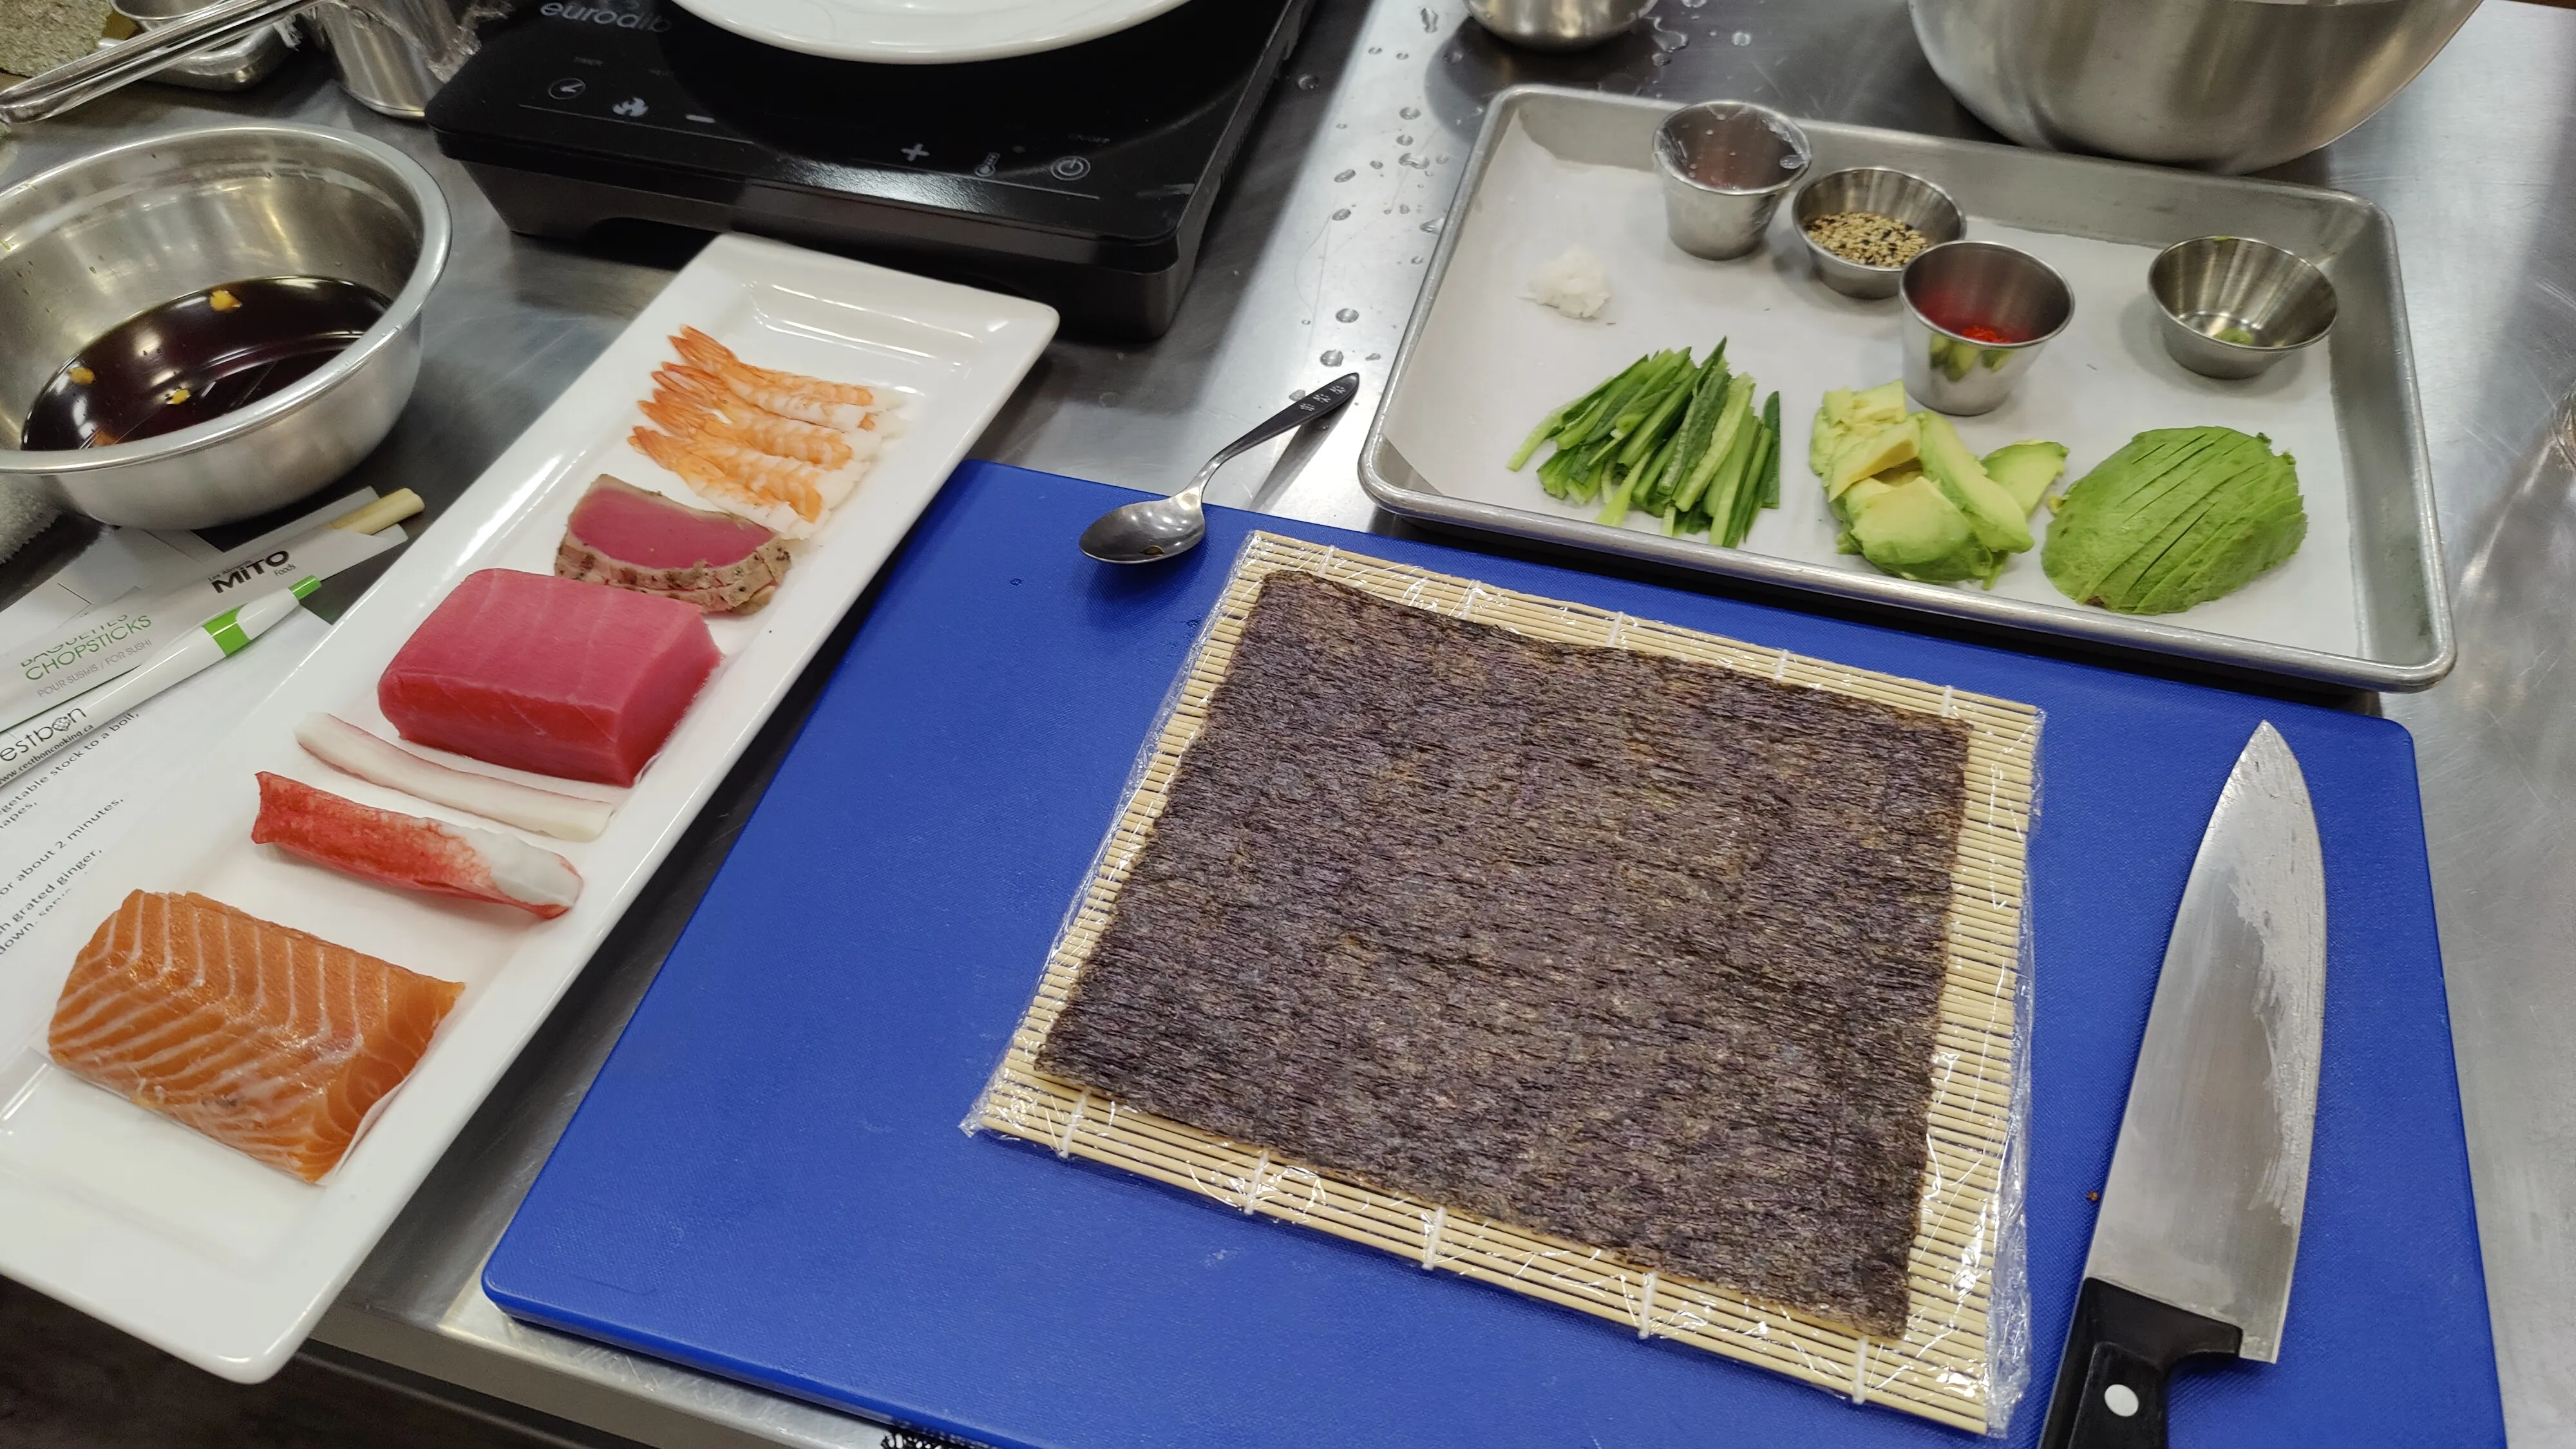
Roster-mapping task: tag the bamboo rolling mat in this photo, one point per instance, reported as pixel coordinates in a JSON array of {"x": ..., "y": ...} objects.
[{"x": 1946, "y": 1365}]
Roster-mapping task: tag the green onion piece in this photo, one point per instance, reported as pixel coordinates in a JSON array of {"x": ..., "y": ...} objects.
[
  {"x": 1771, "y": 474},
  {"x": 1748, "y": 495},
  {"x": 1708, "y": 394},
  {"x": 1721, "y": 446},
  {"x": 1615, "y": 512}
]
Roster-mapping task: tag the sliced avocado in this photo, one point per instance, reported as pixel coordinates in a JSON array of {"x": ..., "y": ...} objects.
[
  {"x": 1845, "y": 414},
  {"x": 1874, "y": 452},
  {"x": 2000, "y": 523},
  {"x": 2025, "y": 469},
  {"x": 2178, "y": 517},
  {"x": 2261, "y": 529},
  {"x": 2129, "y": 504},
  {"x": 1916, "y": 532},
  {"x": 1882, "y": 404},
  {"x": 1832, "y": 430},
  {"x": 1852, "y": 500}
]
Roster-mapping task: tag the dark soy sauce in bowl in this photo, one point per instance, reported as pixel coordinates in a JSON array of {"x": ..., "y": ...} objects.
[{"x": 197, "y": 358}]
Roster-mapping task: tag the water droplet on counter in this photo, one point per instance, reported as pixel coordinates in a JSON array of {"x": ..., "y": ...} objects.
[
  {"x": 1404, "y": 140},
  {"x": 1342, "y": 215},
  {"x": 1346, "y": 175},
  {"x": 1418, "y": 163},
  {"x": 1693, "y": 4},
  {"x": 1372, "y": 357},
  {"x": 1377, "y": 166},
  {"x": 1307, "y": 82},
  {"x": 1376, "y": 49},
  {"x": 1331, "y": 359},
  {"x": 1413, "y": 261},
  {"x": 1741, "y": 37},
  {"x": 1434, "y": 224},
  {"x": 1411, "y": 113},
  {"x": 1430, "y": 22},
  {"x": 1296, "y": 394},
  {"x": 1400, "y": 55},
  {"x": 1669, "y": 39},
  {"x": 1660, "y": 58},
  {"x": 1347, "y": 314}
]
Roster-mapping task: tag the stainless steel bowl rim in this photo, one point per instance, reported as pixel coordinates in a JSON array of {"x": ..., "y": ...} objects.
[
  {"x": 1784, "y": 124},
  {"x": 1899, "y": 269},
  {"x": 2254, "y": 349},
  {"x": 1917, "y": 314},
  {"x": 399, "y": 312}
]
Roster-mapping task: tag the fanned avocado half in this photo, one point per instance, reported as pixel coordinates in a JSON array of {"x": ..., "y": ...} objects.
[{"x": 2177, "y": 517}]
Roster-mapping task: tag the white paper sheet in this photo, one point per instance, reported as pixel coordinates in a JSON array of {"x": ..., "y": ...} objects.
[
  {"x": 61, "y": 816},
  {"x": 1491, "y": 363}
]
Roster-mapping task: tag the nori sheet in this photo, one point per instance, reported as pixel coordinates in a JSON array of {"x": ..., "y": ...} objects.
[{"x": 1637, "y": 952}]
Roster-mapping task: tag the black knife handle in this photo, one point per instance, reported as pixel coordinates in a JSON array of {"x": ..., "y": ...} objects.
[{"x": 2119, "y": 1350}]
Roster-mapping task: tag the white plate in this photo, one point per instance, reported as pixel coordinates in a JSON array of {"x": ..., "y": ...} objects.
[
  {"x": 227, "y": 1263},
  {"x": 926, "y": 32}
]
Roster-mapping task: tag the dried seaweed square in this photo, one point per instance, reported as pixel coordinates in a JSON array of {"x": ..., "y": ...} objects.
[{"x": 1633, "y": 951}]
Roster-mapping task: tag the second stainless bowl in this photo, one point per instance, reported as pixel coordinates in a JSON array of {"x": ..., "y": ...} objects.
[
  {"x": 1558, "y": 24},
  {"x": 1897, "y": 195},
  {"x": 97, "y": 240},
  {"x": 2231, "y": 306}
]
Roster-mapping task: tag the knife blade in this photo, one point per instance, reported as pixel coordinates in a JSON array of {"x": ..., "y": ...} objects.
[{"x": 2199, "y": 1226}]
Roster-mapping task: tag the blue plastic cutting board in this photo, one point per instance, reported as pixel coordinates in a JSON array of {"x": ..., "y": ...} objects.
[{"x": 768, "y": 1180}]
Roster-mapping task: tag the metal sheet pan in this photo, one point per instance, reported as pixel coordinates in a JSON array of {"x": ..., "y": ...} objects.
[{"x": 2401, "y": 628}]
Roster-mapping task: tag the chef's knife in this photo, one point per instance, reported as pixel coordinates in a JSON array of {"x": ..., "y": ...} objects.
[{"x": 2199, "y": 1225}]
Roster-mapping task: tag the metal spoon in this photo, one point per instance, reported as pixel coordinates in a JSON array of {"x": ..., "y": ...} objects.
[{"x": 1160, "y": 528}]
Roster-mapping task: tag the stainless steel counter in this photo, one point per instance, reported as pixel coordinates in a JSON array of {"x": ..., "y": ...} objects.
[{"x": 1312, "y": 260}]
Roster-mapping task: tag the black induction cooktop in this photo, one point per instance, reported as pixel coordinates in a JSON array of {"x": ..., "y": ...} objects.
[{"x": 1081, "y": 177}]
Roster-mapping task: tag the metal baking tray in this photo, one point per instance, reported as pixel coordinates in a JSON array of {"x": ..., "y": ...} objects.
[{"x": 2363, "y": 466}]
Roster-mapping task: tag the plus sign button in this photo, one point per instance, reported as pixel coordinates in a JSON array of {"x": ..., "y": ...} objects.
[{"x": 1069, "y": 168}]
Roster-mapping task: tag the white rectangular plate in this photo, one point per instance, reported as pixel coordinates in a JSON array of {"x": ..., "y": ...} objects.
[
  {"x": 1482, "y": 363},
  {"x": 227, "y": 1263}
]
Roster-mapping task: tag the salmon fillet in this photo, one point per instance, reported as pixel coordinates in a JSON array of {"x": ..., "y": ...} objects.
[{"x": 269, "y": 1040}]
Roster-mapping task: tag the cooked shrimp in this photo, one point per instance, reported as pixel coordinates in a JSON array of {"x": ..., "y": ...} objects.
[
  {"x": 705, "y": 390},
  {"x": 789, "y": 394},
  {"x": 777, "y": 401},
  {"x": 763, "y": 502},
  {"x": 748, "y": 428}
]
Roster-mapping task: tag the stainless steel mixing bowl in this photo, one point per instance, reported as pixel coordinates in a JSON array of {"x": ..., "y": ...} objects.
[
  {"x": 2227, "y": 85},
  {"x": 1558, "y": 24},
  {"x": 95, "y": 241}
]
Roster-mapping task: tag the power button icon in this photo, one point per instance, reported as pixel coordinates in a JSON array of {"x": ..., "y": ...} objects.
[{"x": 1069, "y": 168}]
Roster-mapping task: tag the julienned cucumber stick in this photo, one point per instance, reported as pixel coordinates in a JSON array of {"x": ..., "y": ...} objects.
[{"x": 1676, "y": 440}]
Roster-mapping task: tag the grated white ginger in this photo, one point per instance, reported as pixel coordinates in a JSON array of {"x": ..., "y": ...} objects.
[{"x": 1573, "y": 284}]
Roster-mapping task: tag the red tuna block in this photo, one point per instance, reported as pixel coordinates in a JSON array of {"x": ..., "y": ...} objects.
[{"x": 551, "y": 675}]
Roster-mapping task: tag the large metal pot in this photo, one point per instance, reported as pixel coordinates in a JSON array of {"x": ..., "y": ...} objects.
[
  {"x": 95, "y": 241},
  {"x": 2226, "y": 85}
]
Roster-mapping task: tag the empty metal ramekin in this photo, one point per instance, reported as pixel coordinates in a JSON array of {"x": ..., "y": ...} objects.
[
  {"x": 1725, "y": 165},
  {"x": 2231, "y": 306}
]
